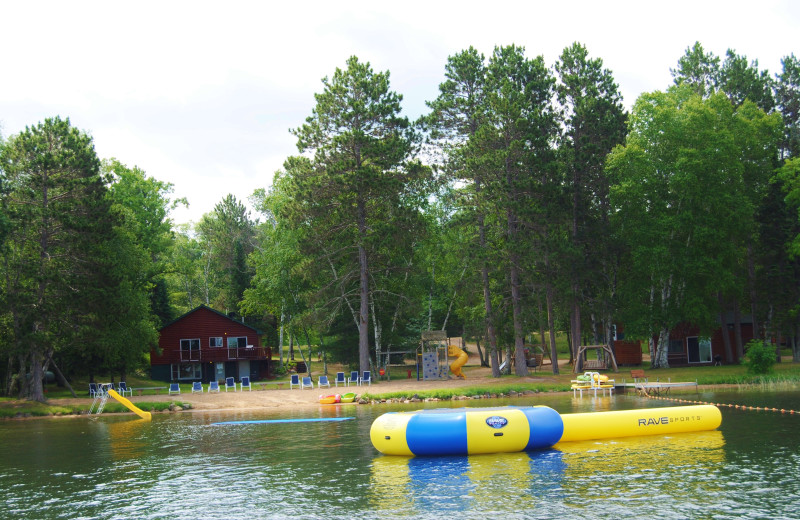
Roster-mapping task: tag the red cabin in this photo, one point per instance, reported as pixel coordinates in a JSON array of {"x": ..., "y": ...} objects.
[{"x": 206, "y": 345}]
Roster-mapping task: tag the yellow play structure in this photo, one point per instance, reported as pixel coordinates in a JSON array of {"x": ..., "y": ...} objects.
[
  {"x": 104, "y": 393},
  {"x": 455, "y": 366}
]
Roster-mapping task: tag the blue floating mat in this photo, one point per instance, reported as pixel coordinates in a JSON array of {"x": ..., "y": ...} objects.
[{"x": 276, "y": 421}]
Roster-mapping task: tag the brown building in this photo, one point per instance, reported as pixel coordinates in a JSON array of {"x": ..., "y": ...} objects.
[
  {"x": 687, "y": 347},
  {"x": 205, "y": 345}
]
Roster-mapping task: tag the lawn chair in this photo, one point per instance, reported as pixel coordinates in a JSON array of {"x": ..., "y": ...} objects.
[
  {"x": 366, "y": 378},
  {"x": 323, "y": 381},
  {"x": 174, "y": 388},
  {"x": 123, "y": 389},
  {"x": 213, "y": 386},
  {"x": 93, "y": 390},
  {"x": 354, "y": 379},
  {"x": 244, "y": 383},
  {"x": 197, "y": 387},
  {"x": 230, "y": 383},
  {"x": 306, "y": 383},
  {"x": 340, "y": 379},
  {"x": 294, "y": 381}
]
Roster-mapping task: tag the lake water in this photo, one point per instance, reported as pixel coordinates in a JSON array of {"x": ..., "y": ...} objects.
[{"x": 179, "y": 466}]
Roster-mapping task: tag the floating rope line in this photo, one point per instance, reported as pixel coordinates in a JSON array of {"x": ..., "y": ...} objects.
[{"x": 729, "y": 405}]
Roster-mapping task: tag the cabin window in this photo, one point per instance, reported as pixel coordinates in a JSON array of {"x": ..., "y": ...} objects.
[
  {"x": 186, "y": 371},
  {"x": 675, "y": 346},
  {"x": 699, "y": 349},
  {"x": 215, "y": 341},
  {"x": 190, "y": 349},
  {"x": 240, "y": 342}
]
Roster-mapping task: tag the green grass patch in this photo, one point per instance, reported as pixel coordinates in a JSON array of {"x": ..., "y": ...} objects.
[
  {"x": 472, "y": 391},
  {"x": 12, "y": 408}
]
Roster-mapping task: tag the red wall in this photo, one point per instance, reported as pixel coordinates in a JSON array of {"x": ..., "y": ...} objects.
[{"x": 202, "y": 323}]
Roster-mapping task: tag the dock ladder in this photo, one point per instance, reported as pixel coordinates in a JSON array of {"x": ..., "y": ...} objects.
[{"x": 100, "y": 398}]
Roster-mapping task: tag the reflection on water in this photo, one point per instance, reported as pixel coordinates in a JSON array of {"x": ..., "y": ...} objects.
[{"x": 177, "y": 466}]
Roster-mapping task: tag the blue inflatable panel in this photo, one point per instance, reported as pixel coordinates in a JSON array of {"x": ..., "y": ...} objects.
[
  {"x": 437, "y": 433},
  {"x": 277, "y": 421},
  {"x": 546, "y": 425}
]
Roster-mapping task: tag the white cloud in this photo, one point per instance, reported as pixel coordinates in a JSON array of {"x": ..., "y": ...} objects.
[{"x": 203, "y": 94}]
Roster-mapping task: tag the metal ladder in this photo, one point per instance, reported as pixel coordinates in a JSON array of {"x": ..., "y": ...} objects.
[{"x": 100, "y": 398}]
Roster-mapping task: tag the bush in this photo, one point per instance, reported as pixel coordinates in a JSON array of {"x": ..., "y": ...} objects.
[{"x": 759, "y": 357}]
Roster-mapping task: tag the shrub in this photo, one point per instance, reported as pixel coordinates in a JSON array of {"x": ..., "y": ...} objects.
[{"x": 759, "y": 357}]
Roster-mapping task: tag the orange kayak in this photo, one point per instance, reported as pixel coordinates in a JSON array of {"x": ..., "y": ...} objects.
[{"x": 329, "y": 399}]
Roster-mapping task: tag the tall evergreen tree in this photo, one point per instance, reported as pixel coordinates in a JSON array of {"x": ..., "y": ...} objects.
[
  {"x": 361, "y": 174},
  {"x": 59, "y": 214},
  {"x": 594, "y": 123}
]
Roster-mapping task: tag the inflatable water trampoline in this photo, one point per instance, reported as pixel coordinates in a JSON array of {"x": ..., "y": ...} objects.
[{"x": 467, "y": 431}]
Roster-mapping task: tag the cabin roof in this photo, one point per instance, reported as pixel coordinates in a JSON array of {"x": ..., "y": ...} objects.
[{"x": 222, "y": 314}]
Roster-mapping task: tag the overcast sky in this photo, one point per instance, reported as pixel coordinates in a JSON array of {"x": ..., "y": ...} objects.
[{"x": 203, "y": 94}]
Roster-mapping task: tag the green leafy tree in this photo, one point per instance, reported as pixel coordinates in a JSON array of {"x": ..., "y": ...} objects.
[
  {"x": 698, "y": 70},
  {"x": 516, "y": 140},
  {"x": 594, "y": 123},
  {"x": 681, "y": 206},
  {"x": 456, "y": 115},
  {"x": 144, "y": 204},
  {"x": 227, "y": 234},
  {"x": 787, "y": 97},
  {"x": 360, "y": 177},
  {"x": 59, "y": 217}
]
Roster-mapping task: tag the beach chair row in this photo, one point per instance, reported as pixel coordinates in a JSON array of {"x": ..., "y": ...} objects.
[
  {"x": 97, "y": 389},
  {"x": 214, "y": 386},
  {"x": 354, "y": 379}
]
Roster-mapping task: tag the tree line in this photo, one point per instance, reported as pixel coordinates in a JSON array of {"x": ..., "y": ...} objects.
[{"x": 527, "y": 200}]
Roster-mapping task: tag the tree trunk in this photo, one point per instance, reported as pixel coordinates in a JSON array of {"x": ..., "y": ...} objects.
[
  {"x": 751, "y": 275},
  {"x": 487, "y": 300},
  {"x": 737, "y": 330},
  {"x": 35, "y": 389},
  {"x": 551, "y": 326},
  {"x": 363, "y": 315},
  {"x": 280, "y": 339},
  {"x": 661, "y": 360},
  {"x": 726, "y": 338},
  {"x": 520, "y": 367},
  {"x": 63, "y": 380}
]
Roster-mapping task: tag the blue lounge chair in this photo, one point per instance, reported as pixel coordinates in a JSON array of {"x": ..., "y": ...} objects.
[
  {"x": 123, "y": 389},
  {"x": 213, "y": 386},
  {"x": 294, "y": 381},
  {"x": 197, "y": 387},
  {"x": 366, "y": 378},
  {"x": 244, "y": 383},
  {"x": 353, "y": 379},
  {"x": 93, "y": 389},
  {"x": 340, "y": 379},
  {"x": 323, "y": 381},
  {"x": 174, "y": 388},
  {"x": 306, "y": 383},
  {"x": 230, "y": 383}
]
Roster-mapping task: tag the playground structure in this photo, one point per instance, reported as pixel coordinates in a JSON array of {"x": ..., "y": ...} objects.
[
  {"x": 468, "y": 431},
  {"x": 432, "y": 355},
  {"x": 102, "y": 395},
  {"x": 462, "y": 357}
]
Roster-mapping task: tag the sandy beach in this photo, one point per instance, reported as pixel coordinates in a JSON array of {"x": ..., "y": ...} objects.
[{"x": 271, "y": 395}]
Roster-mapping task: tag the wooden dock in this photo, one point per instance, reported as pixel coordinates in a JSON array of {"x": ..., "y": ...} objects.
[{"x": 659, "y": 387}]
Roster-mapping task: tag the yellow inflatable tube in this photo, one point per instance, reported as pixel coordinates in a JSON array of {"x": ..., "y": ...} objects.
[
  {"x": 129, "y": 405},
  {"x": 647, "y": 421}
]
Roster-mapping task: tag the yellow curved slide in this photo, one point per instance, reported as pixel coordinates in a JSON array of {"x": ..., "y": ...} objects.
[
  {"x": 455, "y": 366},
  {"x": 129, "y": 405}
]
